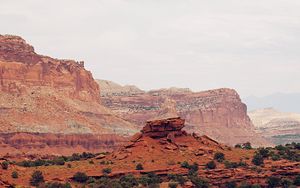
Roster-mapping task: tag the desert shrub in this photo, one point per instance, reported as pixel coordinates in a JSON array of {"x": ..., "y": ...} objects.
[
  {"x": 36, "y": 178},
  {"x": 185, "y": 164},
  {"x": 80, "y": 177},
  {"x": 229, "y": 164},
  {"x": 273, "y": 181},
  {"x": 106, "y": 170},
  {"x": 275, "y": 157},
  {"x": 194, "y": 167},
  {"x": 173, "y": 185},
  {"x": 220, "y": 157},
  {"x": 258, "y": 159},
  {"x": 286, "y": 183},
  {"x": 199, "y": 183},
  {"x": 247, "y": 185},
  {"x": 238, "y": 146},
  {"x": 149, "y": 179},
  {"x": 177, "y": 178},
  {"x": 139, "y": 167},
  {"x": 4, "y": 165},
  {"x": 14, "y": 174},
  {"x": 69, "y": 165},
  {"x": 297, "y": 180},
  {"x": 231, "y": 184},
  {"x": 55, "y": 185},
  {"x": 264, "y": 152},
  {"x": 211, "y": 165},
  {"x": 247, "y": 145},
  {"x": 128, "y": 181}
]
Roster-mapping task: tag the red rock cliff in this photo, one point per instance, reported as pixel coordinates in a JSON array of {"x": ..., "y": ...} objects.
[{"x": 21, "y": 67}]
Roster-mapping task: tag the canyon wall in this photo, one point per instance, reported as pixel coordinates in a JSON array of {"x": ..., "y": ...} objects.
[
  {"x": 46, "y": 95},
  {"x": 217, "y": 113}
]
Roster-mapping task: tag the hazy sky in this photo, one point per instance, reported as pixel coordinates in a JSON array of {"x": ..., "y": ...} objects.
[{"x": 250, "y": 45}]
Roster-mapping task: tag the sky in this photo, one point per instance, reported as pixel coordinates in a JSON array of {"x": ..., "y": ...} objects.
[{"x": 252, "y": 46}]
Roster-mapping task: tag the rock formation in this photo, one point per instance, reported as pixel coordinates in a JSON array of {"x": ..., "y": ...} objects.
[
  {"x": 14, "y": 144},
  {"x": 218, "y": 113},
  {"x": 40, "y": 94}
]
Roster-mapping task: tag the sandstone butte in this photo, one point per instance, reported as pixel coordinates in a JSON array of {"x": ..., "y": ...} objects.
[
  {"x": 217, "y": 113},
  {"x": 160, "y": 147},
  {"x": 40, "y": 94}
]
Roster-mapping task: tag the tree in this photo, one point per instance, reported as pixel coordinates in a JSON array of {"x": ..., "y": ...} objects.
[
  {"x": 211, "y": 165},
  {"x": 258, "y": 159},
  {"x": 80, "y": 177},
  {"x": 36, "y": 178},
  {"x": 139, "y": 167},
  {"x": 14, "y": 174},
  {"x": 220, "y": 157}
]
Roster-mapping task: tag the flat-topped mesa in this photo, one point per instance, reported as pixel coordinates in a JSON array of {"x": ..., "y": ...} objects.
[{"x": 164, "y": 127}]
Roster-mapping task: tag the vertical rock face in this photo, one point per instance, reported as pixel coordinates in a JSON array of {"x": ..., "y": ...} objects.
[
  {"x": 21, "y": 69},
  {"x": 218, "y": 113},
  {"x": 47, "y": 95}
]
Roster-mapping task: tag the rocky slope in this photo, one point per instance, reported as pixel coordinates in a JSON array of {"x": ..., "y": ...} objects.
[
  {"x": 162, "y": 147},
  {"x": 47, "y": 95},
  {"x": 279, "y": 127},
  {"x": 218, "y": 113}
]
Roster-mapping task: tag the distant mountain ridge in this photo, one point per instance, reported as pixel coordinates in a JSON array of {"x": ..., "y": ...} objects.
[{"x": 285, "y": 102}]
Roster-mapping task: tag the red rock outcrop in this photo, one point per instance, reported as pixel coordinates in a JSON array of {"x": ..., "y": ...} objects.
[
  {"x": 47, "y": 95},
  {"x": 218, "y": 113},
  {"x": 21, "y": 67},
  {"x": 14, "y": 144}
]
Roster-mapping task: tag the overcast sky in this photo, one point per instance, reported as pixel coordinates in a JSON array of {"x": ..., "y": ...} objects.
[{"x": 252, "y": 46}]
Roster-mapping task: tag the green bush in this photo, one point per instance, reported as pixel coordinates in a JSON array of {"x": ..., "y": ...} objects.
[
  {"x": 273, "y": 182},
  {"x": 185, "y": 164},
  {"x": 4, "y": 165},
  {"x": 275, "y": 157},
  {"x": 36, "y": 178},
  {"x": 139, "y": 167},
  {"x": 286, "y": 183},
  {"x": 199, "y": 183},
  {"x": 265, "y": 153},
  {"x": 297, "y": 180},
  {"x": 173, "y": 185},
  {"x": 247, "y": 145},
  {"x": 14, "y": 174},
  {"x": 231, "y": 184},
  {"x": 258, "y": 159},
  {"x": 149, "y": 179},
  {"x": 177, "y": 178},
  {"x": 106, "y": 171},
  {"x": 55, "y": 185},
  {"x": 128, "y": 181},
  {"x": 211, "y": 165},
  {"x": 80, "y": 177},
  {"x": 247, "y": 185},
  {"x": 220, "y": 157},
  {"x": 229, "y": 164}
]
